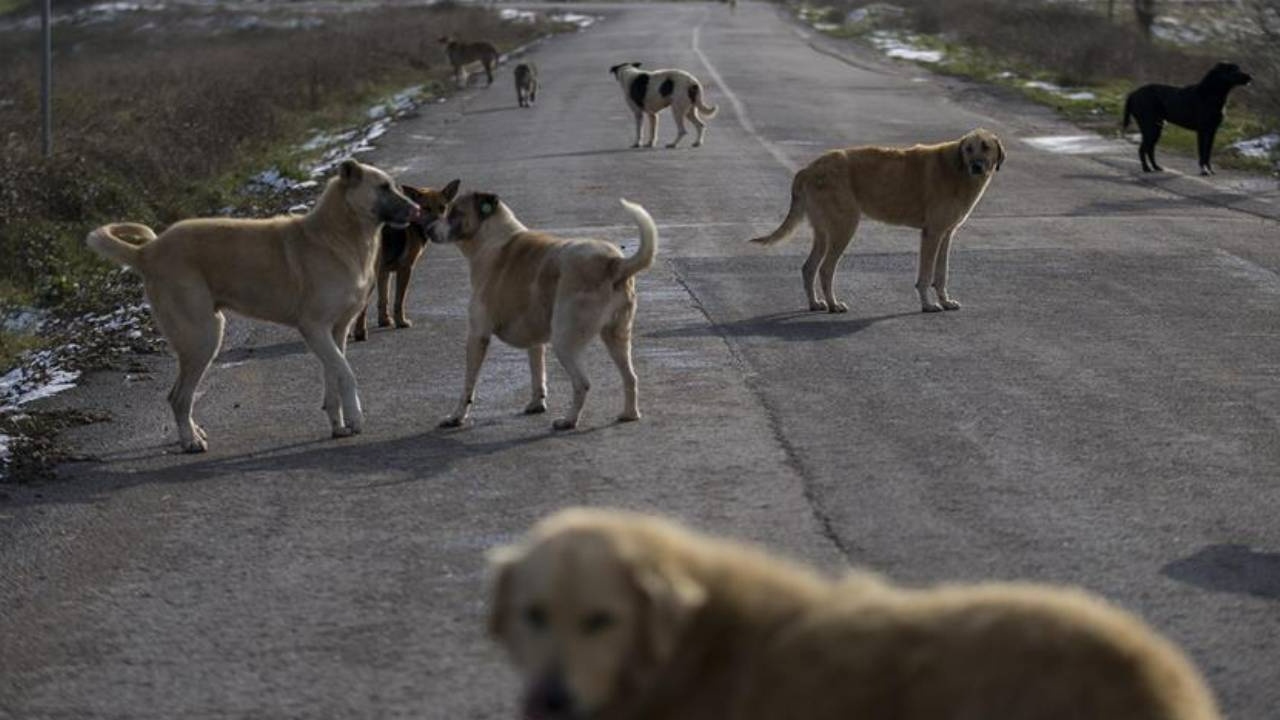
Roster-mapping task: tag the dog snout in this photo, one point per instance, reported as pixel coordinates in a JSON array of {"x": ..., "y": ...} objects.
[
  {"x": 550, "y": 699},
  {"x": 437, "y": 232},
  {"x": 977, "y": 167}
]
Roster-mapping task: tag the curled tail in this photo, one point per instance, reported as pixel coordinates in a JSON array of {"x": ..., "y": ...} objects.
[
  {"x": 795, "y": 214},
  {"x": 695, "y": 96},
  {"x": 106, "y": 242},
  {"x": 1128, "y": 112},
  {"x": 643, "y": 257}
]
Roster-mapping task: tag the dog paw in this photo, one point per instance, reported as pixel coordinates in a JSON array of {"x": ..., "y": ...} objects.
[
  {"x": 404, "y": 323},
  {"x": 817, "y": 306},
  {"x": 384, "y": 321},
  {"x": 536, "y": 407},
  {"x": 698, "y": 144},
  {"x": 629, "y": 417},
  {"x": 635, "y": 146},
  {"x": 930, "y": 308},
  {"x": 452, "y": 421},
  {"x": 838, "y": 307},
  {"x": 196, "y": 445},
  {"x": 950, "y": 304},
  {"x": 343, "y": 431},
  {"x": 359, "y": 336},
  {"x": 564, "y": 424}
]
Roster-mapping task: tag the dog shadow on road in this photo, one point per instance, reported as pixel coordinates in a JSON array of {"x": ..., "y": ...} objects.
[
  {"x": 412, "y": 458},
  {"x": 794, "y": 326},
  {"x": 1230, "y": 568},
  {"x": 579, "y": 153}
]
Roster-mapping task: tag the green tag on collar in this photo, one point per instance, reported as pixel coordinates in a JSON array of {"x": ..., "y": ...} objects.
[{"x": 486, "y": 209}]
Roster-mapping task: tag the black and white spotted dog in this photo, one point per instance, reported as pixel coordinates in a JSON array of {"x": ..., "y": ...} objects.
[{"x": 648, "y": 92}]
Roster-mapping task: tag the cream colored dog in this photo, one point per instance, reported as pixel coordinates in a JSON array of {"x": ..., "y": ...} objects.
[
  {"x": 618, "y": 616},
  {"x": 529, "y": 288},
  {"x": 930, "y": 187},
  {"x": 649, "y": 92},
  {"x": 311, "y": 272}
]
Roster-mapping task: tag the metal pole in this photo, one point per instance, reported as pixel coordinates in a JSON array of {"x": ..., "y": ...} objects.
[{"x": 46, "y": 77}]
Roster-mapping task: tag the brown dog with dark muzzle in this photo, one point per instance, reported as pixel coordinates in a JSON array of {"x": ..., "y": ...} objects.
[{"x": 400, "y": 251}]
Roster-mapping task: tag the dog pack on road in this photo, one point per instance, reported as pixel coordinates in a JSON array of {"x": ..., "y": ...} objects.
[{"x": 613, "y": 616}]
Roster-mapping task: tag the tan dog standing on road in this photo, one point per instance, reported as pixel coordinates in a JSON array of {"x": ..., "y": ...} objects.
[
  {"x": 619, "y": 616},
  {"x": 530, "y": 289},
  {"x": 398, "y": 253},
  {"x": 313, "y": 272},
  {"x": 649, "y": 92},
  {"x": 462, "y": 54},
  {"x": 930, "y": 187}
]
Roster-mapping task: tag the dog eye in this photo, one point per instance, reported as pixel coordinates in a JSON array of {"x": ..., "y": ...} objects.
[
  {"x": 985, "y": 146},
  {"x": 536, "y": 617},
  {"x": 597, "y": 622}
]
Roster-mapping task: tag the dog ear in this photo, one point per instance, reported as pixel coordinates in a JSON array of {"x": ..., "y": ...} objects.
[
  {"x": 486, "y": 204},
  {"x": 636, "y": 65},
  {"x": 999, "y": 154},
  {"x": 451, "y": 190},
  {"x": 669, "y": 600},
  {"x": 350, "y": 171},
  {"x": 502, "y": 561}
]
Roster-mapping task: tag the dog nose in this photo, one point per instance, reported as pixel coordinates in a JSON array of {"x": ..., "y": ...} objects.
[{"x": 550, "y": 698}]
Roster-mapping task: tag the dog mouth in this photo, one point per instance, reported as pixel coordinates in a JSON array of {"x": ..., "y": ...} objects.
[{"x": 977, "y": 169}]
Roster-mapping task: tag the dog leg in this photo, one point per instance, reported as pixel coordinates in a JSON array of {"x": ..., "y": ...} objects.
[
  {"x": 361, "y": 331},
  {"x": 200, "y": 339},
  {"x": 384, "y": 290},
  {"x": 538, "y": 380},
  {"x": 930, "y": 242},
  {"x": 639, "y": 129},
  {"x": 342, "y": 401},
  {"x": 477, "y": 347},
  {"x": 1204, "y": 143},
  {"x": 940, "y": 273},
  {"x": 488, "y": 71},
  {"x": 680, "y": 131},
  {"x": 617, "y": 339},
  {"x": 697, "y": 123},
  {"x": 569, "y": 341},
  {"x": 403, "y": 275},
  {"x": 653, "y": 129},
  {"x": 1155, "y": 132},
  {"x": 809, "y": 271},
  {"x": 838, "y": 237}
]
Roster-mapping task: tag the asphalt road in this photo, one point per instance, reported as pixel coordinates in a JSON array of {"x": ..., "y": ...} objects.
[{"x": 1103, "y": 411}]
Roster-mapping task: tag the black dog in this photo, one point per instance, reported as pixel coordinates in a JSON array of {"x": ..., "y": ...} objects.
[{"x": 1195, "y": 107}]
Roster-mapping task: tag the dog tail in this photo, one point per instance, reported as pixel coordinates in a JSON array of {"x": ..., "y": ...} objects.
[
  {"x": 106, "y": 242},
  {"x": 1128, "y": 112},
  {"x": 795, "y": 214},
  {"x": 643, "y": 258},
  {"x": 695, "y": 96}
]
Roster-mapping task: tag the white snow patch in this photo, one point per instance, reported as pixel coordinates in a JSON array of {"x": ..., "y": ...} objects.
[
  {"x": 896, "y": 46},
  {"x": 1259, "y": 147},
  {"x": 582, "y": 21},
  {"x": 514, "y": 15},
  {"x": 1060, "y": 91},
  {"x": 1073, "y": 144}
]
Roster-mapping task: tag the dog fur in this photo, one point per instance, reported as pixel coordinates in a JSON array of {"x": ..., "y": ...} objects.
[
  {"x": 617, "y": 616},
  {"x": 526, "y": 84},
  {"x": 530, "y": 289},
  {"x": 930, "y": 187},
  {"x": 462, "y": 54},
  {"x": 312, "y": 272},
  {"x": 1196, "y": 107},
  {"x": 648, "y": 92},
  {"x": 398, "y": 252}
]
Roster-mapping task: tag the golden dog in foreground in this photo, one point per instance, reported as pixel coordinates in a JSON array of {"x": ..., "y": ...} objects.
[{"x": 613, "y": 615}]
